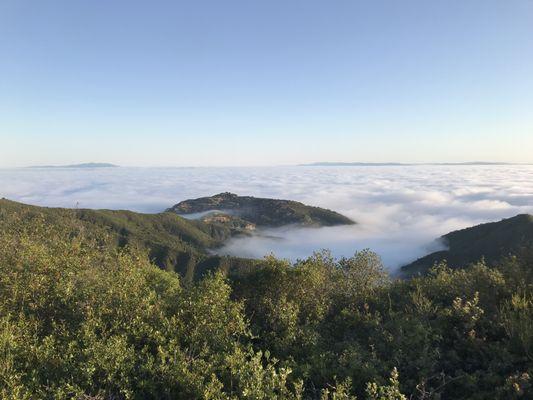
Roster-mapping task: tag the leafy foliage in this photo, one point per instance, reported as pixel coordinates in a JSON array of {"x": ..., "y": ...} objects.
[{"x": 83, "y": 318}]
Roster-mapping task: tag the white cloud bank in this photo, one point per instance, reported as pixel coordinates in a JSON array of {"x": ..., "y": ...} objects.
[{"x": 399, "y": 210}]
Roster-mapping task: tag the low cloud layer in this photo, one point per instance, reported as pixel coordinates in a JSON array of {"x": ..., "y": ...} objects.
[{"x": 399, "y": 210}]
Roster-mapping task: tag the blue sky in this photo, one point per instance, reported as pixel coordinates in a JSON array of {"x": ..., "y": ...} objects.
[{"x": 265, "y": 83}]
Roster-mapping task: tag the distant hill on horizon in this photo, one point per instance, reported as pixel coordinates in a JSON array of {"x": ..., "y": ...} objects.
[
  {"x": 397, "y": 164},
  {"x": 82, "y": 165}
]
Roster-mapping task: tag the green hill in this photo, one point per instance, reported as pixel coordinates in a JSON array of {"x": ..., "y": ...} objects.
[
  {"x": 490, "y": 241},
  {"x": 176, "y": 243},
  {"x": 172, "y": 242},
  {"x": 263, "y": 212},
  {"x": 84, "y": 314}
]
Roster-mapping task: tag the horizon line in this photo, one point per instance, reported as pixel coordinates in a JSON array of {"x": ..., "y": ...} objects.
[{"x": 103, "y": 165}]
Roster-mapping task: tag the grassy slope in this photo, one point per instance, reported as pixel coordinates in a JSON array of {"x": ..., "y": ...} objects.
[
  {"x": 173, "y": 242},
  {"x": 490, "y": 241}
]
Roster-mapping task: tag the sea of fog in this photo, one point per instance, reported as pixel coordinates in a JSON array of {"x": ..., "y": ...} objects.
[{"x": 400, "y": 210}]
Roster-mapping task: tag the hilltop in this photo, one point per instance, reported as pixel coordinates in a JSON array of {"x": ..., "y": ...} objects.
[
  {"x": 262, "y": 212},
  {"x": 490, "y": 241}
]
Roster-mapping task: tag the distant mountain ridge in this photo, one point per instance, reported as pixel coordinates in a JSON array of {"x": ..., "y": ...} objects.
[
  {"x": 491, "y": 241},
  {"x": 82, "y": 165},
  {"x": 262, "y": 211},
  {"x": 397, "y": 164}
]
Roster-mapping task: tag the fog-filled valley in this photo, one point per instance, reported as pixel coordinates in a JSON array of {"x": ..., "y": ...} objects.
[{"x": 399, "y": 210}]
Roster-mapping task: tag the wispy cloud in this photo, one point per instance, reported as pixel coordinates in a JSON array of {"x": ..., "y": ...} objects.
[{"x": 400, "y": 210}]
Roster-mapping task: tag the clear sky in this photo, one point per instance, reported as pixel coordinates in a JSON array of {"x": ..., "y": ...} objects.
[{"x": 265, "y": 82}]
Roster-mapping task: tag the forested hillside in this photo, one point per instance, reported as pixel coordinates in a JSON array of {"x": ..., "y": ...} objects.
[
  {"x": 491, "y": 242},
  {"x": 171, "y": 242},
  {"x": 83, "y": 318}
]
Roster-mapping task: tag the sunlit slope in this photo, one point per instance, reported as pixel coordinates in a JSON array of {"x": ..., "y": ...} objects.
[
  {"x": 262, "y": 211},
  {"x": 172, "y": 242}
]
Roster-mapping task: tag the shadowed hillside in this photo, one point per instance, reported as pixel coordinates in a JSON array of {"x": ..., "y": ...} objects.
[{"x": 490, "y": 241}]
